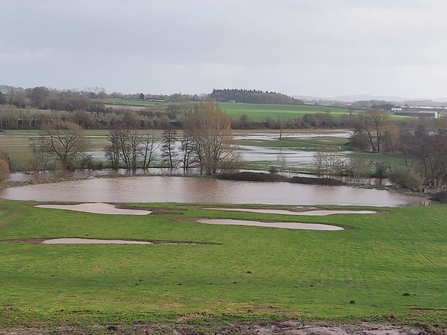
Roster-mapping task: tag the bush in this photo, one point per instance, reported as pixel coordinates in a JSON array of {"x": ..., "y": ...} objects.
[
  {"x": 405, "y": 178},
  {"x": 273, "y": 169},
  {"x": 316, "y": 181},
  {"x": 381, "y": 168},
  {"x": 252, "y": 176},
  {"x": 272, "y": 177},
  {"x": 4, "y": 170},
  {"x": 440, "y": 196}
]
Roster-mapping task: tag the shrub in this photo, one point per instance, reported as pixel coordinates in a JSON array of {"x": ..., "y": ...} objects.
[
  {"x": 381, "y": 168},
  {"x": 316, "y": 181},
  {"x": 252, "y": 176},
  {"x": 273, "y": 169},
  {"x": 405, "y": 178},
  {"x": 440, "y": 196},
  {"x": 4, "y": 170}
]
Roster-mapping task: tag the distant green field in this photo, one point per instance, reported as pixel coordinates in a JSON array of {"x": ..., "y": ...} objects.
[
  {"x": 257, "y": 112},
  {"x": 260, "y": 112},
  {"x": 126, "y": 102}
]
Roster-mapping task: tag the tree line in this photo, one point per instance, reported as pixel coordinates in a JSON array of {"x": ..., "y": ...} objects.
[
  {"x": 34, "y": 108},
  {"x": 12, "y": 118},
  {"x": 206, "y": 144},
  {"x": 253, "y": 96},
  {"x": 42, "y": 97},
  {"x": 421, "y": 142}
]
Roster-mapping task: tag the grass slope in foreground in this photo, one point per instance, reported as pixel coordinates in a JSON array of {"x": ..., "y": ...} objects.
[{"x": 391, "y": 264}]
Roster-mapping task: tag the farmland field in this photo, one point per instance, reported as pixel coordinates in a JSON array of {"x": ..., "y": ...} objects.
[
  {"x": 16, "y": 144},
  {"x": 392, "y": 263},
  {"x": 257, "y": 112},
  {"x": 127, "y": 102}
]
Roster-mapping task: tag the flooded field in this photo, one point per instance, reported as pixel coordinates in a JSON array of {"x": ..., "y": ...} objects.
[{"x": 204, "y": 190}]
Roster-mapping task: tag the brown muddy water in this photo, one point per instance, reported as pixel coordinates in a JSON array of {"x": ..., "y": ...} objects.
[{"x": 204, "y": 190}]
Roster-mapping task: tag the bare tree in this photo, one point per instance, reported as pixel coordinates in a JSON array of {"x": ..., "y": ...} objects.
[
  {"x": 281, "y": 123},
  {"x": 4, "y": 166},
  {"x": 373, "y": 123},
  {"x": 359, "y": 167},
  {"x": 168, "y": 148},
  {"x": 210, "y": 128},
  {"x": 148, "y": 152},
  {"x": 187, "y": 148},
  {"x": 4, "y": 170},
  {"x": 65, "y": 141},
  {"x": 125, "y": 147},
  {"x": 130, "y": 149},
  {"x": 113, "y": 150},
  {"x": 328, "y": 162},
  {"x": 40, "y": 157}
]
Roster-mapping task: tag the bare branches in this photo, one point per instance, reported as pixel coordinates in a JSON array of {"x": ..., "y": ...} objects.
[
  {"x": 210, "y": 129},
  {"x": 63, "y": 141}
]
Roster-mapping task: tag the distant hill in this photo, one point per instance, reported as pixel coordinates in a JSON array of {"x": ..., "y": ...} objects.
[
  {"x": 367, "y": 97},
  {"x": 253, "y": 97},
  {"x": 6, "y": 88}
]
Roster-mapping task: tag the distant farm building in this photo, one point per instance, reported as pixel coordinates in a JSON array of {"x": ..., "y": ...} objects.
[{"x": 417, "y": 113}]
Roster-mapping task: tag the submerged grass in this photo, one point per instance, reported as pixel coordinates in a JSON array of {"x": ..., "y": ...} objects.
[
  {"x": 303, "y": 144},
  {"x": 391, "y": 263}
]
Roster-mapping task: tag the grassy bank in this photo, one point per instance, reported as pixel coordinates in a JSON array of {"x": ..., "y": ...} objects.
[{"x": 391, "y": 264}]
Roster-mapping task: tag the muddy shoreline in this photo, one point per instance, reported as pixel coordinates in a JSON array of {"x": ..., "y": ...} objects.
[{"x": 247, "y": 328}]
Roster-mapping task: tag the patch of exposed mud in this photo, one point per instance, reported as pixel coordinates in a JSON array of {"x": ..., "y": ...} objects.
[
  {"x": 90, "y": 241},
  {"x": 76, "y": 240},
  {"x": 297, "y": 328},
  {"x": 286, "y": 212},
  {"x": 287, "y": 225},
  {"x": 248, "y": 328},
  {"x": 97, "y": 208}
]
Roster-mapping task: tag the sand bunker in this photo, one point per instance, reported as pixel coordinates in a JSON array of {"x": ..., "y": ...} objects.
[
  {"x": 97, "y": 208},
  {"x": 288, "y": 225},
  {"x": 90, "y": 241},
  {"x": 285, "y": 212}
]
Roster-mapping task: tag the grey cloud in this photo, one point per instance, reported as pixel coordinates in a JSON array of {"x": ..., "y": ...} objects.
[{"x": 309, "y": 47}]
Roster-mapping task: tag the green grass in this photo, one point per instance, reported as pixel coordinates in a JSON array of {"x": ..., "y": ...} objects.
[
  {"x": 304, "y": 274},
  {"x": 126, "y": 102},
  {"x": 16, "y": 144},
  {"x": 304, "y": 144},
  {"x": 394, "y": 160},
  {"x": 259, "y": 112}
]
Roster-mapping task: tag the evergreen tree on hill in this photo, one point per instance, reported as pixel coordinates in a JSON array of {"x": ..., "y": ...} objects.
[{"x": 253, "y": 96}]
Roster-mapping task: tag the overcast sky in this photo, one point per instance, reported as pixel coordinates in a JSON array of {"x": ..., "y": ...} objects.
[{"x": 319, "y": 48}]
